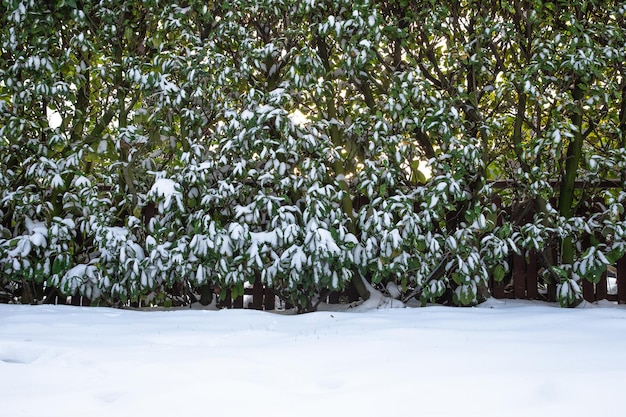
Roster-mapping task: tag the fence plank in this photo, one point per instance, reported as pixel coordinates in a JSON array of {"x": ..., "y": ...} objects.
[
  {"x": 270, "y": 299},
  {"x": 588, "y": 291},
  {"x": 497, "y": 288},
  {"x": 551, "y": 295},
  {"x": 333, "y": 297},
  {"x": 532, "y": 292},
  {"x": 621, "y": 280},
  {"x": 79, "y": 300},
  {"x": 601, "y": 288},
  {"x": 238, "y": 302},
  {"x": 519, "y": 276},
  {"x": 257, "y": 295},
  {"x": 227, "y": 302}
]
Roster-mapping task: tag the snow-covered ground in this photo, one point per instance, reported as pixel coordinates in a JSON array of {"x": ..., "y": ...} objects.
[{"x": 505, "y": 359}]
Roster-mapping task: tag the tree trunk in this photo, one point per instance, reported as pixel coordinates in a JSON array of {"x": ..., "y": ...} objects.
[{"x": 574, "y": 155}]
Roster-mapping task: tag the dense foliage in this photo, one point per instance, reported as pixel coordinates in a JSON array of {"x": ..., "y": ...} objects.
[{"x": 150, "y": 148}]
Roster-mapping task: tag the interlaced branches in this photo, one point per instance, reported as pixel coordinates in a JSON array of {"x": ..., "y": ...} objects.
[{"x": 152, "y": 149}]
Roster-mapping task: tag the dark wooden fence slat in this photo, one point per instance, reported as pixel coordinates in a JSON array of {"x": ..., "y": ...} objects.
[
  {"x": 227, "y": 302},
  {"x": 238, "y": 302},
  {"x": 601, "y": 288},
  {"x": 257, "y": 295},
  {"x": 497, "y": 288},
  {"x": 270, "y": 300},
  {"x": 621, "y": 280},
  {"x": 79, "y": 300},
  {"x": 532, "y": 292},
  {"x": 589, "y": 291},
  {"x": 333, "y": 297},
  {"x": 551, "y": 295},
  {"x": 519, "y": 276}
]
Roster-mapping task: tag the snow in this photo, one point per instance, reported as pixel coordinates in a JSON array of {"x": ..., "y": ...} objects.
[
  {"x": 327, "y": 242},
  {"x": 77, "y": 271},
  {"x": 117, "y": 233},
  {"x": 260, "y": 238},
  {"x": 505, "y": 359},
  {"x": 247, "y": 115},
  {"x": 38, "y": 239},
  {"x": 36, "y": 227},
  {"x": 163, "y": 187}
]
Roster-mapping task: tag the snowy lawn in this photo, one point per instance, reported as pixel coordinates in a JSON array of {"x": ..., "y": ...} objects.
[{"x": 513, "y": 359}]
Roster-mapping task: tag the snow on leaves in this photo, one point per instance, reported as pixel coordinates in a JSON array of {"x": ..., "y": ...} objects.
[{"x": 286, "y": 141}]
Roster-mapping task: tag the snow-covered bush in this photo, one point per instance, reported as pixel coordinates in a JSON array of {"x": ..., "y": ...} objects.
[
  {"x": 310, "y": 145},
  {"x": 43, "y": 254}
]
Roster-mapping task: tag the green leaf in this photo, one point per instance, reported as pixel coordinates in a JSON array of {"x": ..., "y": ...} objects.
[
  {"x": 57, "y": 265},
  {"x": 38, "y": 275},
  {"x": 123, "y": 297},
  {"x": 562, "y": 273},
  {"x": 499, "y": 273},
  {"x": 237, "y": 290},
  {"x": 467, "y": 295},
  {"x": 614, "y": 255},
  {"x": 223, "y": 293},
  {"x": 417, "y": 176},
  {"x": 595, "y": 274}
]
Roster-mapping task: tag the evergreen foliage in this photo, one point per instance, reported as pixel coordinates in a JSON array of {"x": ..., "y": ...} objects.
[{"x": 150, "y": 148}]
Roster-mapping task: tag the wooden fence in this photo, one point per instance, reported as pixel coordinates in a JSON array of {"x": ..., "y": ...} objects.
[
  {"x": 527, "y": 284},
  {"x": 262, "y": 298},
  {"x": 525, "y": 281}
]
